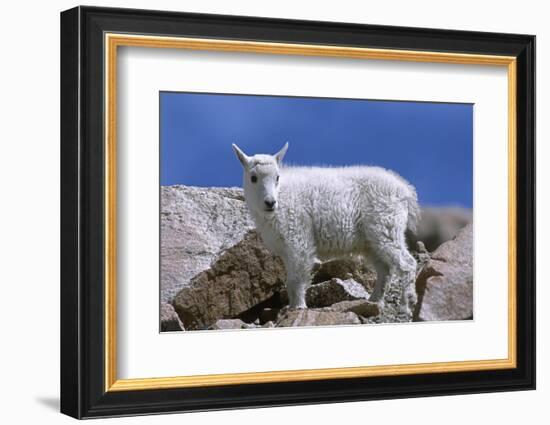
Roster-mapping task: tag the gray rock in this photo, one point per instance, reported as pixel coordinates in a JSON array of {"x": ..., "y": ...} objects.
[
  {"x": 244, "y": 276},
  {"x": 169, "y": 319},
  {"x": 445, "y": 284},
  {"x": 333, "y": 291},
  {"x": 359, "y": 307},
  {"x": 313, "y": 317},
  {"x": 438, "y": 225},
  {"x": 197, "y": 226},
  {"x": 228, "y": 324}
]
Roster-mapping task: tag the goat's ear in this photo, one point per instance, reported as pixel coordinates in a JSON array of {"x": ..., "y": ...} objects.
[
  {"x": 245, "y": 159},
  {"x": 280, "y": 155}
]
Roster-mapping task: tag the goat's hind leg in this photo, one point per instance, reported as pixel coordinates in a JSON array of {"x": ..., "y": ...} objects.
[
  {"x": 394, "y": 260},
  {"x": 408, "y": 280},
  {"x": 383, "y": 277}
]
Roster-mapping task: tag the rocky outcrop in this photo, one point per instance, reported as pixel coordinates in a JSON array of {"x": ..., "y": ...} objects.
[
  {"x": 439, "y": 225},
  {"x": 243, "y": 277},
  {"x": 445, "y": 284},
  {"x": 313, "y": 317},
  {"x": 169, "y": 319},
  {"x": 217, "y": 274},
  {"x": 197, "y": 226}
]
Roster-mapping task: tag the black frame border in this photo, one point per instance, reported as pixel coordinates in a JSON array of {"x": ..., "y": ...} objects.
[{"x": 82, "y": 206}]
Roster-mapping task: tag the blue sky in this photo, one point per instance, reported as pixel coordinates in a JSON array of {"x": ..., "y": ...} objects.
[{"x": 430, "y": 144}]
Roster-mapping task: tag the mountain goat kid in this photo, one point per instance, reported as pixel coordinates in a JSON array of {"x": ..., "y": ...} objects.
[{"x": 307, "y": 214}]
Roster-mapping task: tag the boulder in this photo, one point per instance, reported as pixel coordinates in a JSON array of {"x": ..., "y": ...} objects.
[
  {"x": 445, "y": 284},
  {"x": 169, "y": 319},
  {"x": 441, "y": 224},
  {"x": 313, "y": 317},
  {"x": 244, "y": 276},
  {"x": 197, "y": 226},
  {"x": 333, "y": 291}
]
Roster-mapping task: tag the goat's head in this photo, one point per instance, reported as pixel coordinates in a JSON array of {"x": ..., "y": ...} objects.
[{"x": 261, "y": 179}]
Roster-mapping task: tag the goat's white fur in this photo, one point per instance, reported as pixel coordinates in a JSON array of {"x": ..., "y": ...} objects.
[{"x": 320, "y": 213}]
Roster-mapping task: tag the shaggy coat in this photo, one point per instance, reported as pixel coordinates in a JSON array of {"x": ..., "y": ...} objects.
[{"x": 307, "y": 214}]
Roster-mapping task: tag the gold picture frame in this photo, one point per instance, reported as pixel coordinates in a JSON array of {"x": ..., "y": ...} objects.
[{"x": 114, "y": 41}]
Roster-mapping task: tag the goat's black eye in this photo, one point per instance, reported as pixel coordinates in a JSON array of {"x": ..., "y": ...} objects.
[
  {"x": 277, "y": 179},
  {"x": 253, "y": 179}
]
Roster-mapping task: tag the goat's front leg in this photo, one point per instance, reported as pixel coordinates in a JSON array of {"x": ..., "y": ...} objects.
[
  {"x": 298, "y": 280},
  {"x": 297, "y": 295}
]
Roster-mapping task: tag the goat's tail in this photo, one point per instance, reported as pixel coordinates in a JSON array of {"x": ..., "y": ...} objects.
[{"x": 413, "y": 212}]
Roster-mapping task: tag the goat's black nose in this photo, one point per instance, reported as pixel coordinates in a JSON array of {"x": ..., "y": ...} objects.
[{"x": 270, "y": 204}]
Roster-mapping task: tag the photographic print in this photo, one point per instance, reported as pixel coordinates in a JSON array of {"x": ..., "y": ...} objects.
[{"x": 281, "y": 211}]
